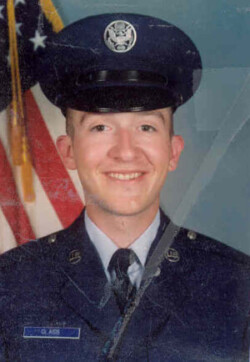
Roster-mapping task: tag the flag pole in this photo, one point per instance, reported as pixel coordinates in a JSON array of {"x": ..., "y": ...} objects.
[
  {"x": 15, "y": 128},
  {"x": 18, "y": 137}
]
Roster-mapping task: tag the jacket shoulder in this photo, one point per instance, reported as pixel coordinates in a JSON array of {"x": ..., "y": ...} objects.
[
  {"x": 31, "y": 251},
  {"x": 46, "y": 249},
  {"x": 206, "y": 247}
]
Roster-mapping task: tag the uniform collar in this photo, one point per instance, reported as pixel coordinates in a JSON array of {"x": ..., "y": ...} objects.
[{"x": 106, "y": 248}]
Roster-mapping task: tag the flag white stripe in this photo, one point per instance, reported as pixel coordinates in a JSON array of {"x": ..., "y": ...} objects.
[
  {"x": 4, "y": 132},
  {"x": 7, "y": 238}
]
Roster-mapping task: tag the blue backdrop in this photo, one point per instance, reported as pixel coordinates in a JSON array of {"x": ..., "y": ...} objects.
[{"x": 210, "y": 191}]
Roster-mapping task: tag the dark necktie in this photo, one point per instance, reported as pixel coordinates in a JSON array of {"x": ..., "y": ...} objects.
[{"x": 123, "y": 289}]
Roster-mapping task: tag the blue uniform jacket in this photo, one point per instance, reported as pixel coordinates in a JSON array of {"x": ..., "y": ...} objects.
[{"x": 195, "y": 309}]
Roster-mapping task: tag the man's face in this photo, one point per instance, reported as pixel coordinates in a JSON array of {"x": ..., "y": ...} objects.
[{"x": 122, "y": 158}]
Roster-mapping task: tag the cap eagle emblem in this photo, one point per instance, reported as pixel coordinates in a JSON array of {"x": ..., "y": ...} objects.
[{"x": 120, "y": 36}]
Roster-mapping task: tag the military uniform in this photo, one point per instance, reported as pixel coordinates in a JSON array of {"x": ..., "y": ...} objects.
[{"x": 56, "y": 303}]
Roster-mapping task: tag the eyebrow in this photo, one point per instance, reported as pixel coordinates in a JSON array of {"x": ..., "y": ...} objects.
[
  {"x": 86, "y": 115},
  {"x": 83, "y": 117},
  {"x": 153, "y": 113}
]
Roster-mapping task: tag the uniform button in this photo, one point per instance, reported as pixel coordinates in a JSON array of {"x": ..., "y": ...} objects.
[
  {"x": 157, "y": 272},
  {"x": 191, "y": 235},
  {"x": 172, "y": 255},
  {"x": 52, "y": 238},
  {"x": 75, "y": 256}
]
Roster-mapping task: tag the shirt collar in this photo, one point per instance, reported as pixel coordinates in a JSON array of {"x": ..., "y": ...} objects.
[
  {"x": 106, "y": 248},
  {"x": 142, "y": 245}
]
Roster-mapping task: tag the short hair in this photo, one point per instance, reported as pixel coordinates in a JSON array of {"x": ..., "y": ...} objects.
[{"x": 69, "y": 125}]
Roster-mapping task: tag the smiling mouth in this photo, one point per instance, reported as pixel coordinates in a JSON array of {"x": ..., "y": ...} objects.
[{"x": 125, "y": 176}]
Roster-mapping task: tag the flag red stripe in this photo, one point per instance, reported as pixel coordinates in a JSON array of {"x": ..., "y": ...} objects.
[
  {"x": 11, "y": 204},
  {"x": 49, "y": 167}
]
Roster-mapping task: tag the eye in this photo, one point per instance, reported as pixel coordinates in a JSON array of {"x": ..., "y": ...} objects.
[
  {"x": 148, "y": 128},
  {"x": 99, "y": 128}
]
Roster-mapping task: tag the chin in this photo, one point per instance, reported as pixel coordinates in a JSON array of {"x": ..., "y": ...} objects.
[
  {"x": 127, "y": 208},
  {"x": 121, "y": 206}
]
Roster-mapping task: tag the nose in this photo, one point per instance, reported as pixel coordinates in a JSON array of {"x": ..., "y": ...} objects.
[{"x": 124, "y": 147}]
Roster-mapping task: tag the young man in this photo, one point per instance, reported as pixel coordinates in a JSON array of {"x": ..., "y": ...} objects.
[{"x": 122, "y": 283}]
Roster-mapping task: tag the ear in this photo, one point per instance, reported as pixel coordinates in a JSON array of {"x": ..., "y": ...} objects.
[
  {"x": 65, "y": 149},
  {"x": 177, "y": 145}
]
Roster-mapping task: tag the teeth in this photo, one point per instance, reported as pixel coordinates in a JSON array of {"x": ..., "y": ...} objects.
[{"x": 127, "y": 176}]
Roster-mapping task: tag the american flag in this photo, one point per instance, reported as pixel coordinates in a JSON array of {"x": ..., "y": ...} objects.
[{"x": 58, "y": 195}]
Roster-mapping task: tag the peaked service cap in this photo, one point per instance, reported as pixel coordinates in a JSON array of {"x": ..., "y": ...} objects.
[{"x": 119, "y": 63}]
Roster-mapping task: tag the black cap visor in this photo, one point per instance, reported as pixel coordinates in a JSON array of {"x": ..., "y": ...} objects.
[
  {"x": 119, "y": 99},
  {"x": 116, "y": 91}
]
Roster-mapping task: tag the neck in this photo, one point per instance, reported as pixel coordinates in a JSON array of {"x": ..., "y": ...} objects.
[{"x": 123, "y": 230}]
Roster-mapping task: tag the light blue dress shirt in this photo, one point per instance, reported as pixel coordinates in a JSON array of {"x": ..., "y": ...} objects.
[{"x": 106, "y": 247}]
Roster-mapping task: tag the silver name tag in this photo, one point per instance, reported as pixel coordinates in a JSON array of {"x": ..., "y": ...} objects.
[{"x": 52, "y": 332}]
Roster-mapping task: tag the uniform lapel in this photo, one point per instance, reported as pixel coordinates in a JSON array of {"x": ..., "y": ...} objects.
[
  {"x": 164, "y": 296},
  {"x": 86, "y": 290}
]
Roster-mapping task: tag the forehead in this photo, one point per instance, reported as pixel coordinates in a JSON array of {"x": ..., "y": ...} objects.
[{"x": 163, "y": 114}]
